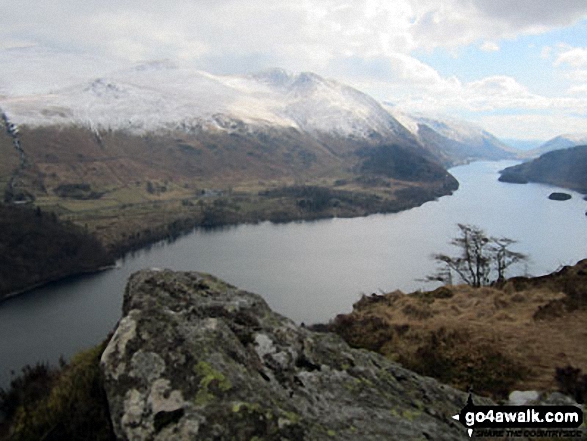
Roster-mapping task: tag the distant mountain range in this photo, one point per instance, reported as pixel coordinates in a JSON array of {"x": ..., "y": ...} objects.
[
  {"x": 451, "y": 140},
  {"x": 558, "y": 143},
  {"x": 158, "y": 133},
  {"x": 160, "y": 97}
]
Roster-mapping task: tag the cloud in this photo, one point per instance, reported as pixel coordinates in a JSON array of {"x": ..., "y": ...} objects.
[
  {"x": 546, "y": 52},
  {"x": 572, "y": 63},
  {"x": 489, "y": 46},
  {"x": 532, "y": 14},
  {"x": 454, "y": 23},
  {"x": 579, "y": 90},
  {"x": 369, "y": 43},
  {"x": 532, "y": 126},
  {"x": 576, "y": 57},
  {"x": 309, "y": 32}
]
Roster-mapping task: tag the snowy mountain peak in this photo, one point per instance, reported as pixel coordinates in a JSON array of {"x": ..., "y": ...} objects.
[
  {"x": 102, "y": 87},
  {"x": 160, "y": 95},
  {"x": 275, "y": 77},
  {"x": 156, "y": 65},
  {"x": 560, "y": 142},
  {"x": 283, "y": 81},
  {"x": 451, "y": 139}
]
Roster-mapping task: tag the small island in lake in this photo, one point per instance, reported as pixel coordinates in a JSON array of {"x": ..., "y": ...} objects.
[{"x": 558, "y": 196}]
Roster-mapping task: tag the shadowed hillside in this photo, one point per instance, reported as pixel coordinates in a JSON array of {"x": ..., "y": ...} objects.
[
  {"x": 36, "y": 248},
  {"x": 563, "y": 168}
]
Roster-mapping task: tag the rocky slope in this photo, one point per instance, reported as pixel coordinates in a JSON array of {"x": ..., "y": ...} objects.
[
  {"x": 564, "y": 168},
  {"x": 195, "y": 358}
]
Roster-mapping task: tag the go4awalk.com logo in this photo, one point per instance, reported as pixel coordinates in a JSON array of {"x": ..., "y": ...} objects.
[{"x": 527, "y": 421}]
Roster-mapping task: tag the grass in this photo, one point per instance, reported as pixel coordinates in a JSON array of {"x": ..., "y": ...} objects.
[
  {"x": 131, "y": 211},
  {"x": 58, "y": 404},
  {"x": 487, "y": 338}
]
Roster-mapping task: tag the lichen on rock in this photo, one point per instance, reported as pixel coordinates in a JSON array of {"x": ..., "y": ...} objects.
[{"x": 196, "y": 358}]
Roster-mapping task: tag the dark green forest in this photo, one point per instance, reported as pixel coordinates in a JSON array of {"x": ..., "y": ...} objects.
[{"x": 35, "y": 247}]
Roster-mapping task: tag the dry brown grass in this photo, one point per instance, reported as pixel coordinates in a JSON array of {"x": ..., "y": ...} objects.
[{"x": 461, "y": 322}]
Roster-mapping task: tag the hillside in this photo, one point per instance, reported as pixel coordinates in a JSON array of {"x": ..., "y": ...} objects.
[
  {"x": 36, "y": 248},
  {"x": 498, "y": 339},
  {"x": 453, "y": 141},
  {"x": 148, "y": 152},
  {"x": 564, "y": 168}
]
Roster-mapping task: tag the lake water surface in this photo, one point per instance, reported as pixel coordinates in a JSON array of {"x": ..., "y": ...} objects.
[{"x": 308, "y": 271}]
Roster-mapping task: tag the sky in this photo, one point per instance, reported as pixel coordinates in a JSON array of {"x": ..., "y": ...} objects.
[{"x": 517, "y": 68}]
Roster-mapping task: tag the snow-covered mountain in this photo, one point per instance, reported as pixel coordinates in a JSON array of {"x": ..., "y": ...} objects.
[
  {"x": 452, "y": 140},
  {"x": 559, "y": 143},
  {"x": 160, "y": 95}
]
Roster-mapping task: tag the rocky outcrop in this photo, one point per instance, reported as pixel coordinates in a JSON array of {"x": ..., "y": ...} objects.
[{"x": 195, "y": 358}]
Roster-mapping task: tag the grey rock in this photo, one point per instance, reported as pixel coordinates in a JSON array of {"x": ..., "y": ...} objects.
[
  {"x": 196, "y": 358},
  {"x": 520, "y": 398},
  {"x": 558, "y": 399}
]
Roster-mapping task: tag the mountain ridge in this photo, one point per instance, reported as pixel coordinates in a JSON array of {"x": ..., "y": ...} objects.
[
  {"x": 163, "y": 95},
  {"x": 453, "y": 141},
  {"x": 558, "y": 143}
]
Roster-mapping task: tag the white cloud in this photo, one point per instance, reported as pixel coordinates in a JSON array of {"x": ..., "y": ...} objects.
[
  {"x": 532, "y": 126},
  {"x": 576, "y": 57},
  {"x": 454, "y": 23},
  {"x": 489, "y": 46},
  {"x": 579, "y": 90},
  {"x": 307, "y": 32},
  {"x": 572, "y": 63},
  {"x": 370, "y": 43}
]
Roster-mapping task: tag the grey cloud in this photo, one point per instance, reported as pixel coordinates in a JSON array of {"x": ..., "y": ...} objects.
[
  {"x": 237, "y": 63},
  {"x": 533, "y": 12},
  {"x": 377, "y": 69}
]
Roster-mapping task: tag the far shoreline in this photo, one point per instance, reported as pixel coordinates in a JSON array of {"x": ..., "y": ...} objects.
[{"x": 119, "y": 251}]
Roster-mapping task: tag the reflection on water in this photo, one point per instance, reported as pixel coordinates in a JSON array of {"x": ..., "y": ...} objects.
[{"x": 308, "y": 271}]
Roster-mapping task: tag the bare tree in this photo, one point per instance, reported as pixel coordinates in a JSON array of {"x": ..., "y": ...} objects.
[
  {"x": 504, "y": 257},
  {"x": 481, "y": 261}
]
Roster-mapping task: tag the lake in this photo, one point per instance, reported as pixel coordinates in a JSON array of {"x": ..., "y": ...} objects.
[{"x": 308, "y": 271}]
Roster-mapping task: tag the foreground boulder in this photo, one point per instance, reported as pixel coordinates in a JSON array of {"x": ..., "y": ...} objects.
[{"x": 195, "y": 358}]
